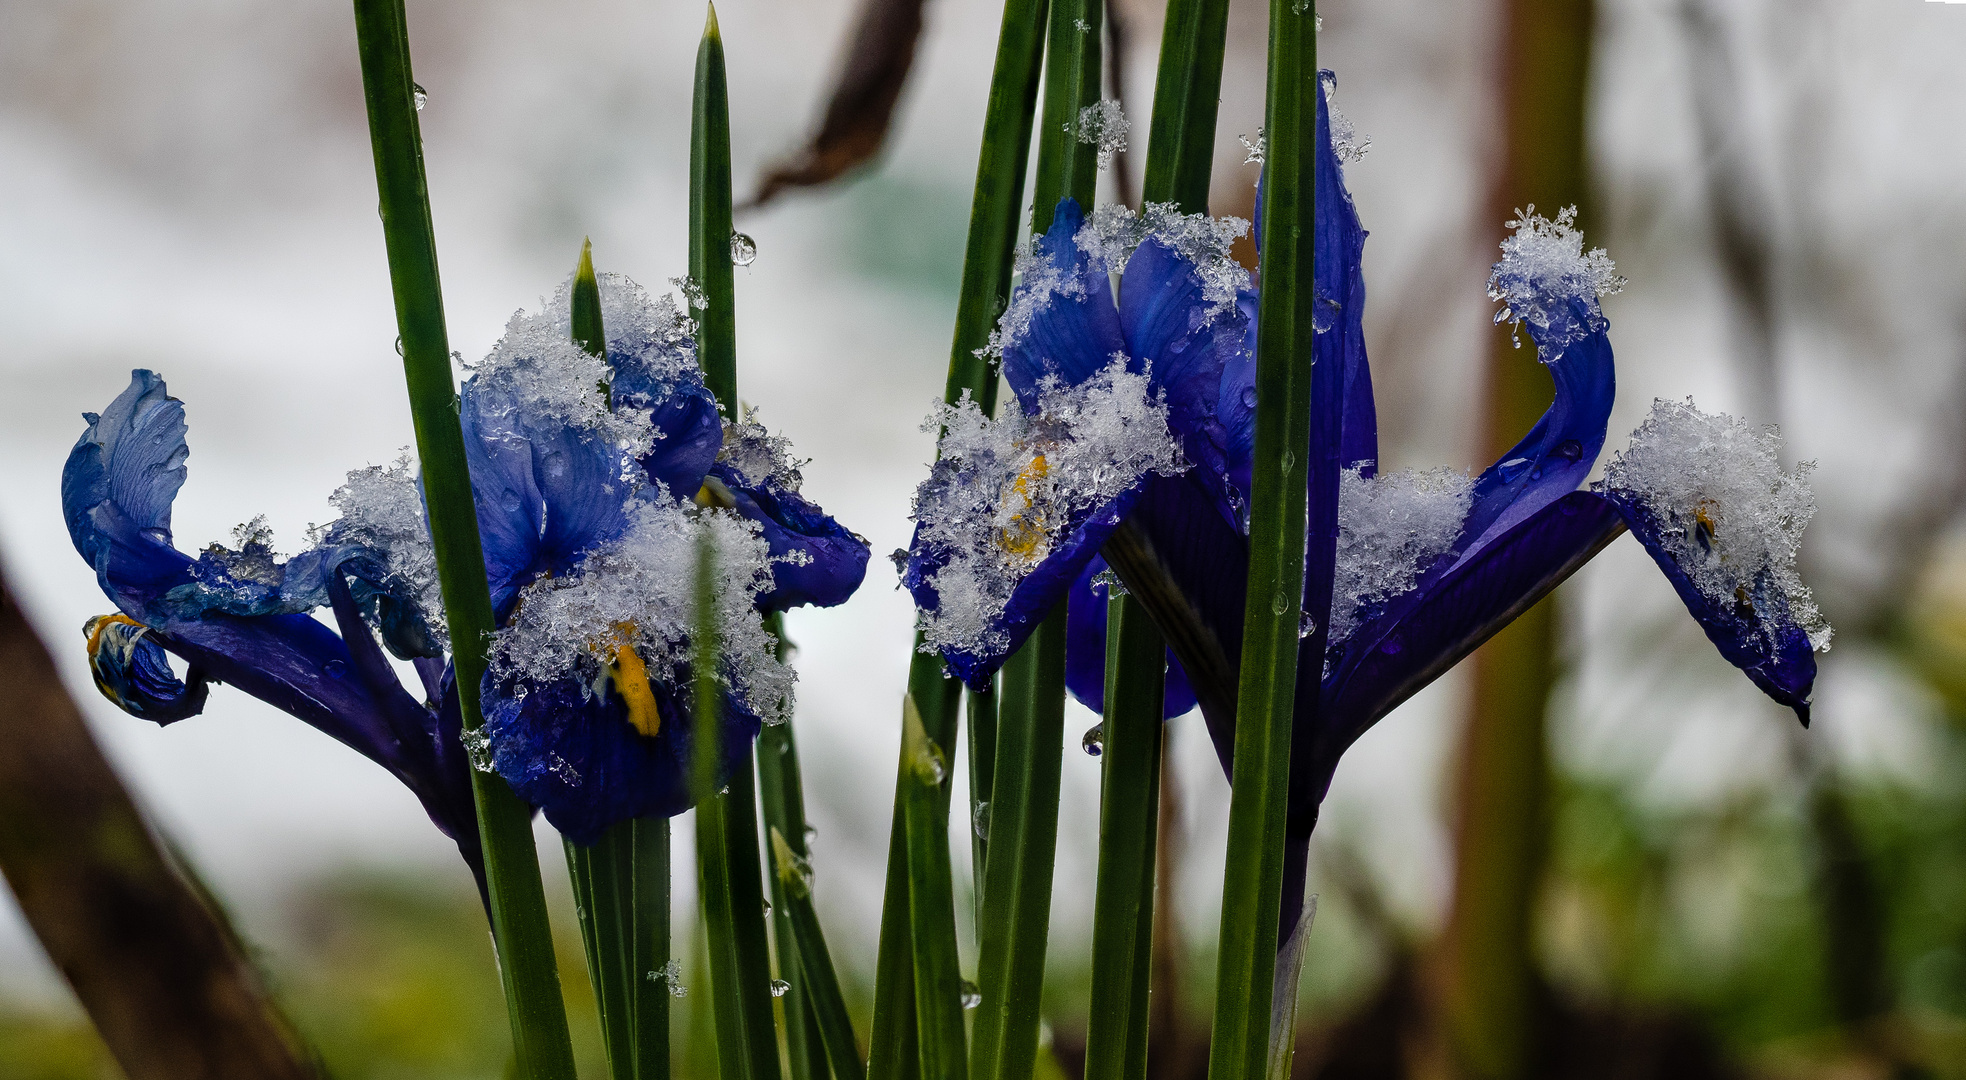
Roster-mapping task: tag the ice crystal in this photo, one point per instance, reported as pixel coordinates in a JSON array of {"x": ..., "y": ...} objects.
[
  {"x": 692, "y": 291},
  {"x": 640, "y": 592},
  {"x": 1007, "y": 491},
  {"x": 382, "y": 510},
  {"x": 1254, "y": 146},
  {"x": 1346, "y": 142},
  {"x": 1041, "y": 280},
  {"x": 1110, "y": 236},
  {"x": 1104, "y": 125},
  {"x": 1728, "y": 514},
  {"x": 763, "y": 458},
  {"x": 1548, "y": 280},
  {"x": 1391, "y": 528}
]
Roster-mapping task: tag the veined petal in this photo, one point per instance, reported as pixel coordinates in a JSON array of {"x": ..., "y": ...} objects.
[
  {"x": 815, "y": 559},
  {"x": 117, "y": 488},
  {"x": 1085, "y": 648},
  {"x": 1061, "y": 321}
]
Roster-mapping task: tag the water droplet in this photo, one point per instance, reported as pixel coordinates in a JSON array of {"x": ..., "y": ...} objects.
[
  {"x": 743, "y": 250},
  {"x": 1289, "y": 459},
  {"x": 1392, "y": 645},
  {"x": 477, "y": 748},
  {"x": 419, "y": 95},
  {"x": 555, "y": 463},
  {"x": 1094, "y": 741},
  {"x": 334, "y": 669},
  {"x": 980, "y": 819},
  {"x": 1513, "y": 468},
  {"x": 579, "y": 912},
  {"x": 725, "y": 790},
  {"x": 1248, "y": 397},
  {"x": 1306, "y": 626},
  {"x": 399, "y": 345},
  {"x": 767, "y": 909},
  {"x": 508, "y": 501},
  {"x": 779, "y": 987},
  {"x": 1279, "y": 603},
  {"x": 972, "y": 997},
  {"x": 931, "y": 764},
  {"x": 1569, "y": 450}
]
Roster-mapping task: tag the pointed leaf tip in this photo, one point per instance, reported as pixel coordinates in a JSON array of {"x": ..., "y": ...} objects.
[{"x": 710, "y": 25}]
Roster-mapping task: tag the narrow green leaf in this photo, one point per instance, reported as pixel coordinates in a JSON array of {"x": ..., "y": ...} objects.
[
  {"x": 521, "y": 931},
  {"x": 1252, "y": 881},
  {"x": 1015, "y": 923},
  {"x": 1067, "y": 166},
  {"x": 994, "y": 214},
  {"x": 1187, "y": 96},
  {"x": 1129, "y": 820},
  {"x": 585, "y": 305},
  {"x": 815, "y": 962},
  {"x": 924, "y": 783},
  {"x": 650, "y": 973},
  {"x": 729, "y": 877},
  {"x": 709, "y": 219},
  {"x": 781, "y": 790},
  {"x": 603, "y": 907},
  {"x": 982, "y": 710},
  {"x": 892, "y": 1048}
]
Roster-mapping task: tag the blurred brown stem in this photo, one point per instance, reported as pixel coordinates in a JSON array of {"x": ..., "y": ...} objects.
[
  {"x": 158, "y": 970},
  {"x": 1489, "y": 987}
]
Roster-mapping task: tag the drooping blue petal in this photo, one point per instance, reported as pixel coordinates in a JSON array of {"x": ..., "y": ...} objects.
[
  {"x": 1754, "y": 630},
  {"x": 1085, "y": 650},
  {"x": 816, "y": 560},
  {"x": 1073, "y": 333},
  {"x": 571, "y": 751},
  {"x": 117, "y": 488},
  {"x": 131, "y": 669}
]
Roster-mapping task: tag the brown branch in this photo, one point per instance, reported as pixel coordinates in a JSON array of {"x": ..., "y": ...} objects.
[
  {"x": 158, "y": 970},
  {"x": 879, "y": 56}
]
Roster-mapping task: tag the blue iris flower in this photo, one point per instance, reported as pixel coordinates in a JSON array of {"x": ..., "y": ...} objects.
[
  {"x": 1429, "y": 565},
  {"x": 557, "y": 479}
]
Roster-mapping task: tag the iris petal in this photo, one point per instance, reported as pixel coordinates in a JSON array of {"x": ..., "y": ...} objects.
[
  {"x": 816, "y": 560},
  {"x": 1075, "y": 332},
  {"x": 131, "y": 669},
  {"x": 1085, "y": 650}
]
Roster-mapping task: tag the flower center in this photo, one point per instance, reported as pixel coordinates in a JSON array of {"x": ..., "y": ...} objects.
[{"x": 97, "y": 628}]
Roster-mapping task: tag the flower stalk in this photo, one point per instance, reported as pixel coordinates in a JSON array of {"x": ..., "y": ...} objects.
[
  {"x": 521, "y": 931},
  {"x": 1289, "y": 572}
]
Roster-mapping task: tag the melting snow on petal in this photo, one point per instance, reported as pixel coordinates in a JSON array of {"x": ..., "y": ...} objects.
[
  {"x": 1729, "y": 515},
  {"x": 1548, "y": 280},
  {"x": 1391, "y": 529}
]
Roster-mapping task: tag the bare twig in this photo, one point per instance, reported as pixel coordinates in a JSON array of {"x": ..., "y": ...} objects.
[{"x": 158, "y": 970}]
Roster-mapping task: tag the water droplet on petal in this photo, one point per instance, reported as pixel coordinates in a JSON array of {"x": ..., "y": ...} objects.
[
  {"x": 1248, "y": 397},
  {"x": 972, "y": 997},
  {"x": 1094, "y": 741},
  {"x": 743, "y": 249},
  {"x": 334, "y": 669},
  {"x": 508, "y": 501},
  {"x": 1569, "y": 450},
  {"x": 779, "y": 988},
  {"x": 1512, "y": 468}
]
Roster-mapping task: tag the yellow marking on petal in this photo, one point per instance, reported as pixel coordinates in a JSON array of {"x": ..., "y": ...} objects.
[
  {"x": 95, "y": 628},
  {"x": 1707, "y": 515},
  {"x": 713, "y": 493},
  {"x": 1026, "y": 535},
  {"x": 631, "y": 681}
]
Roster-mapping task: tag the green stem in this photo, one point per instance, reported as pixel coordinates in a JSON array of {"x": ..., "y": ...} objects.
[
  {"x": 709, "y": 219},
  {"x": 1066, "y": 166},
  {"x": 782, "y": 792},
  {"x": 521, "y": 931},
  {"x": 1129, "y": 819},
  {"x": 649, "y": 974},
  {"x": 604, "y": 906},
  {"x": 832, "y": 1026},
  {"x": 924, "y": 784},
  {"x": 1016, "y": 917},
  {"x": 892, "y": 1052},
  {"x": 1187, "y": 96},
  {"x": 982, "y": 709},
  {"x": 1252, "y": 881}
]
